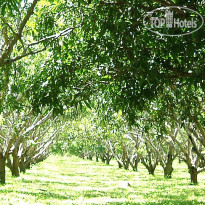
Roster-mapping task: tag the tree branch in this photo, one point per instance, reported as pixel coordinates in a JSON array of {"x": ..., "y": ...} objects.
[
  {"x": 9, "y": 50},
  {"x": 51, "y": 38},
  {"x": 27, "y": 17},
  {"x": 40, "y": 122}
]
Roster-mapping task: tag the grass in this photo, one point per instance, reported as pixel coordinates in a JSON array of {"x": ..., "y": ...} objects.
[{"x": 71, "y": 180}]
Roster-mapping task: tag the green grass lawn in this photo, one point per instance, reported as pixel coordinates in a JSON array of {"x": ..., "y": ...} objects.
[{"x": 71, "y": 180}]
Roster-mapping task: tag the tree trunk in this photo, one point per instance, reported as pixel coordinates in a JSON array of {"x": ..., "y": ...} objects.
[
  {"x": 82, "y": 155},
  {"x": 134, "y": 163},
  {"x": 107, "y": 161},
  {"x": 2, "y": 169},
  {"x": 9, "y": 163},
  {"x": 15, "y": 168},
  {"x": 22, "y": 165},
  {"x": 168, "y": 168},
  {"x": 125, "y": 158},
  {"x": 126, "y": 164},
  {"x": 119, "y": 164},
  {"x": 15, "y": 165},
  {"x": 102, "y": 158},
  {"x": 168, "y": 171},
  {"x": 149, "y": 166},
  {"x": 193, "y": 174},
  {"x": 28, "y": 165},
  {"x": 108, "y": 158},
  {"x": 151, "y": 170},
  {"x": 97, "y": 158},
  {"x": 135, "y": 167},
  {"x": 22, "y": 168}
]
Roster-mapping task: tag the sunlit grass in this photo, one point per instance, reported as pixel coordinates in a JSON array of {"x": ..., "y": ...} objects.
[{"x": 71, "y": 180}]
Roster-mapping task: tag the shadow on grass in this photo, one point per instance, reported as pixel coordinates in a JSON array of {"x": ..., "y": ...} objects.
[
  {"x": 49, "y": 182},
  {"x": 44, "y": 194},
  {"x": 163, "y": 202}
]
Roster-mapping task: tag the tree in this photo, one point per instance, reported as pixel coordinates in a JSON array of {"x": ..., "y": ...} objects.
[
  {"x": 116, "y": 54},
  {"x": 138, "y": 64},
  {"x": 25, "y": 139}
]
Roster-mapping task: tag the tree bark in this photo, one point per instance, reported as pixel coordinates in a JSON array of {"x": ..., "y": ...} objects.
[
  {"x": 120, "y": 165},
  {"x": 193, "y": 174},
  {"x": 90, "y": 158},
  {"x": 168, "y": 171},
  {"x": 168, "y": 168},
  {"x": 151, "y": 170},
  {"x": 135, "y": 166},
  {"x": 15, "y": 165},
  {"x": 102, "y": 157},
  {"x": 28, "y": 165},
  {"x": 2, "y": 169},
  {"x": 134, "y": 163},
  {"x": 125, "y": 158},
  {"x": 22, "y": 165},
  {"x": 82, "y": 155},
  {"x": 15, "y": 168},
  {"x": 9, "y": 163},
  {"x": 108, "y": 161},
  {"x": 126, "y": 164},
  {"x": 97, "y": 158},
  {"x": 149, "y": 166}
]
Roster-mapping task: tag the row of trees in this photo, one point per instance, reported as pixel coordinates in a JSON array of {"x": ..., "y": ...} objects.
[
  {"x": 55, "y": 54},
  {"x": 25, "y": 139},
  {"x": 36, "y": 80},
  {"x": 148, "y": 141}
]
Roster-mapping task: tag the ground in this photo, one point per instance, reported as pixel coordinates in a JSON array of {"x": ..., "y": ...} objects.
[{"x": 71, "y": 180}]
